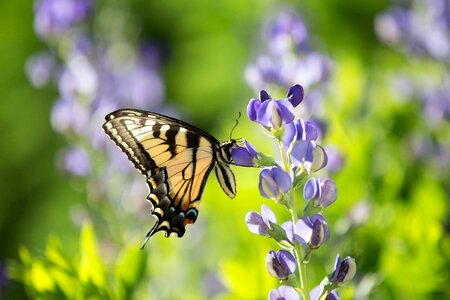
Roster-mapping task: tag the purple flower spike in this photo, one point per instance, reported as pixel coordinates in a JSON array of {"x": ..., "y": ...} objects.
[
  {"x": 295, "y": 94},
  {"x": 322, "y": 192},
  {"x": 280, "y": 264},
  {"x": 246, "y": 155},
  {"x": 312, "y": 231},
  {"x": 284, "y": 292},
  {"x": 343, "y": 271},
  {"x": 274, "y": 182},
  {"x": 54, "y": 17},
  {"x": 275, "y": 113},
  {"x": 260, "y": 223}
]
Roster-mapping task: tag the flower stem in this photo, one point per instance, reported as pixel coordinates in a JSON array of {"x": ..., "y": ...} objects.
[{"x": 298, "y": 251}]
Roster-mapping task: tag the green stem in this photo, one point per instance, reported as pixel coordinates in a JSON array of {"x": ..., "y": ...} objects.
[{"x": 298, "y": 251}]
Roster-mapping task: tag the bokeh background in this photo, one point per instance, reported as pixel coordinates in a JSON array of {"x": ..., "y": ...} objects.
[{"x": 72, "y": 211}]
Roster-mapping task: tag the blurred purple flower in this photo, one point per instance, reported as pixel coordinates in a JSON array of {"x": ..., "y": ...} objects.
[
  {"x": 280, "y": 264},
  {"x": 436, "y": 102},
  {"x": 287, "y": 33},
  {"x": 69, "y": 115},
  {"x": 323, "y": 193},
  {"x": 76, "y": 161},
  {"x": 261, "y": 223},
  {"x": 343, "y": 270},
  {"x": 335, "y": 160},
  {"x": 317, "y": 291},
  {"x": 284, "y": 292},
  {"x": 54, "y": 17},
  {"x": 39, "y": 68},
  {"x": 289, "y": 59},
  {"x": 245, "y": 155},
  {"x": 423, "y": 27},
  {"x": 274, "y": 182},
  {"x": 4, "y": 280},
  {"x": 311, "y": 231}
]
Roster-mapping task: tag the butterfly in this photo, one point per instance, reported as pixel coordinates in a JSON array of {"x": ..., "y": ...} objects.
[{"x": 176, "y": 159}]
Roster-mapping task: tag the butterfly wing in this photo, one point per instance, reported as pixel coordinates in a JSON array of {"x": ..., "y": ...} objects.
[{"x": 175, "y": 157}]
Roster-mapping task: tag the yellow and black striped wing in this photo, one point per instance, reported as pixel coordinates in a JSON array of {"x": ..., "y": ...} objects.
[{"x": 175, "y": 157}]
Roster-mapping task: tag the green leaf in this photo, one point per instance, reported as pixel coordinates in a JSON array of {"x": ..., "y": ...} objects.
[
  {"x": 130, "y": 267},
  {"x": 90, "y": 268},
  {"x": 54, "y": 254},
  {"x": 41, "y": 280}
]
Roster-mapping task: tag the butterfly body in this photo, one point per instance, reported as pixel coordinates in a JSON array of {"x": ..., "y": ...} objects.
[{"x": 176, "y": 159}]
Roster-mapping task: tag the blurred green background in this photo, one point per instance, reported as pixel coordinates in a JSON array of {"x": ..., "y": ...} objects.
[{"x": 399, "y": 236}]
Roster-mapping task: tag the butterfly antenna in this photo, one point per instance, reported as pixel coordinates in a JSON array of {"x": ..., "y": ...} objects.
[{"x": 235, "y": 125}]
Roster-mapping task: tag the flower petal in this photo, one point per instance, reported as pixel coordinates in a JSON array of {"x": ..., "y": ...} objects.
[
  {"x": 252, "y": 109},
  {"x": 310, "y": 190},
  {"x": 262, "y": 114},
  {"x": 242, "y": 157},
  {"x": 268, "y": 216},
  {"x": 302, "y": 152},
  {"x": 328, "y": 192},
  {"x": 263, "y": 96},
  {"x": 286, "y": 111},
  {"x": 295, "y": 95},
  {"x": 303, "y": 231},
  {"x": 282, "y": 179},
  {"x": 255, "y": 223},
  {"x": 320, "y": 158}
]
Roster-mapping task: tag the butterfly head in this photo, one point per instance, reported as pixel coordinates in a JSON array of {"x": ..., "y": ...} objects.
[{"x": 226, "y": 149}]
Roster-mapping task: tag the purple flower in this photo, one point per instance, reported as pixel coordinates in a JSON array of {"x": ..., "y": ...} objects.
[
  {"x": 424, "y": 28},
  {"x": 69, "y": 115},
  {"x": 76, "y": 161},
  {"x": 287, "y": 33},
  {"x": 343, "y": 271},
  {"x": 317, "y": 292},
  {"x": 323, "y": 193},
  {"x": 280, "y": 264},
  {"x": 312, "y": 231},
  {"x": 335, "y": 159},
  {"x": 39, "y": 69},
  {"x": 284, "y": 292},
  {"x": 275, "y": 113},
  {"x": 54, "y": 17},
  {"x": 289, "y": 60},
  {"x": 274, "y": 182},
  {"x": 299, "y": 131},
  {"x": 261, "y": 223},
  {"x": 309, "y": 155},
  {"x": 246, "y": 155}
]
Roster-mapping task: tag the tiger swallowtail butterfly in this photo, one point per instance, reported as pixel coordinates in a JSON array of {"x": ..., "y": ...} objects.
[{"x": 176, "y": 159}]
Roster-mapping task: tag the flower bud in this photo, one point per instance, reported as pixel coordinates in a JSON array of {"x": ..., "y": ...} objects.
[
  {"x": 343, "y": 271},
  {"x": 280, "y": 264}
]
